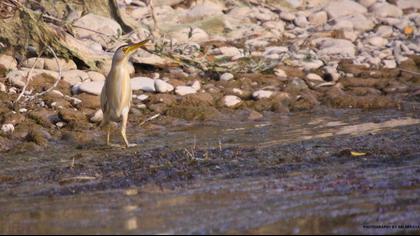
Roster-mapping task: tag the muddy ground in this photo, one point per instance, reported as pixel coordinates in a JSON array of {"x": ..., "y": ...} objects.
[{"x": 291, "y": 173}]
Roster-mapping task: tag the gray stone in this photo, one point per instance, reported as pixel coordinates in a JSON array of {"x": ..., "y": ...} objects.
[
  {"x": 143, "y": 83},
  {"x": 8, "y": 62},
  {"x": 95, "y": 23},
  {"x": 301, "y": 21},
  {"x": 94, "y": 76},
  {"x": 231, "y": 101},
  {"x": 377, "y": 41},
  {"x": 94, "y": 87},
  {"x": 185, "y": 90},
  {"x": 162, "y": 86},
  {"x": 318, "y": 18},
  {"x": 97, "y": 117},
  {"x": 338, "y": 47},
  {"x": 261, "y": 94},
  {"x": 51, "y": 64},
  {"x": 386, "y": 10},
  {"x": 226, "y": 77},
  {"x": 287, "y": 16},
  {"x": 314, "y": 77},
  {"x": 74, "y": 77},
  {"x": 339, "y": 8},
  {"x": 7, "y": 128},
  {"x": 29, "y": 63}
]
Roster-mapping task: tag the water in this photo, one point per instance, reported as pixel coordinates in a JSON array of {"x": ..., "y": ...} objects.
[{"x": 283, "y": 174}]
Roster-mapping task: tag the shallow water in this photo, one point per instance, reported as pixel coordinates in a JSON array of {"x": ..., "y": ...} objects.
[{"x": 283, "y": 174}]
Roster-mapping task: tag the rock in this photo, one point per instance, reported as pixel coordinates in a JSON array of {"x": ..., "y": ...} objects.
[
  {"x": 342, "y": 24},
  {"x": 142, "y": 97},
  {"x": 287, "y": 16},
  {"x": 384, "y": 31},
  {"x": 143, "y": 83},
  {"x": 97, "y": 23},
  {"x": 351, "y": 35},
  {"x": 60, "y": 124},
  {"x": 339, "y": 47},
  {"x": 74, "y": 77},
  {"x": 385, "y": 9},
  {"x": 162, "y": 86},
  {"x": 226, "y": 77},
  {"x": 280, "y": 73},
  {"x": 51, "y": 64},
  {"x": 318, "y": 18},
  {"x": 391, "y": 64},
  {"x": 314, "y": 77},
  {"x": 408, "y": 4},
  {"x": 7, "y": 128},
  {"x": 206, "y": 9},
  {"x": 261, "y": 94},
  {"x": 185, "y": 90},
  {"x": 8, "y": 62},
  {"x": 95, "y": 76},
  {"x": 190, "y": 35},
  {"x": 301, "y": 21},
  {"x": 311, "y": 65},
  {"x": 230, "y": 51},
  {"x": 16, "y": 77},
  {"x": 231, "y": 101},
  {"x": 254, "y": 115},
  {"x": 97, "y": 117},
  {"x": 274, "y": 25},
  {"x": 377, "y": 41},
  {"x": 3, "y": 88},
  {"x": 275, "y": 50},
  {"x": 262, "y": 14},
  {"x": 367, "y": 3},
  {"x": 359, "y": 22},
  {"x": 339, "y": 8},
  {"x": 29, "y": 63},
  {"x": 296, "y": 85},
  {"x": 196, "y": 85},
  {"x": 94, "y": 87},
  {"x": 238, "y": 91}
]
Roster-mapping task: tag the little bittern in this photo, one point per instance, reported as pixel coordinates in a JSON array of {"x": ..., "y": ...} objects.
[{"x": 116, "y": 93}]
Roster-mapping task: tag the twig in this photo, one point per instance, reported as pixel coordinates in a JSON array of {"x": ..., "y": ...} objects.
[
  {"x": 58, "y": 77},
  {"x": 156, "y": 30},
  {"x": 149, "y": 119},
  {"x": 29, "y": 77},
  {"x": 409, "y": 71}
]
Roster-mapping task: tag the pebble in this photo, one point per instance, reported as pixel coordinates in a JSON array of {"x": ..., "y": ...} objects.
[
  {"x": 97, "y": 117},
  {"x": 226, "y": 77},
  {"x": 185, "y": 90},
  {"x": 231, "y": 100},
  {"x": 261, "y": 94},
  {"x": 162, "y": 86},
  {"x": 3, "y": 88},
  {"x": 314, "y": 77},
  {"x": 280, "y": 73},
  {"x": 7, "y": 128}
]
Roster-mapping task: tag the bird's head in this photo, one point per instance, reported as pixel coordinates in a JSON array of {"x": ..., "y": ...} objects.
[{"x": 125, "y": 51}]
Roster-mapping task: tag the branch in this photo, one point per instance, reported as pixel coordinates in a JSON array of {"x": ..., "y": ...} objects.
[{"x": 28, "y": 78}]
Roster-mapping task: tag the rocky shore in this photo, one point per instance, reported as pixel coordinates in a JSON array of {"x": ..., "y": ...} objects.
[{"x": 228, "y": 56}]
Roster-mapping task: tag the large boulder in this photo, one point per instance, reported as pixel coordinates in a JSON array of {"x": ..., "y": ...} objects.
[
  {"x": 97, "y": 28},
  {"x": 339, "y": 8}
]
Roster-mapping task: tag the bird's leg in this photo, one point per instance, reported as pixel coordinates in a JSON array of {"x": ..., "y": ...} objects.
[
  {"x": 108, "y": 135},
  {"x": 124, "y": 129}
]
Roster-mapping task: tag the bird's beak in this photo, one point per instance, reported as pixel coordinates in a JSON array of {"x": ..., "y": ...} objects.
[{"x": 129, "y": 49}]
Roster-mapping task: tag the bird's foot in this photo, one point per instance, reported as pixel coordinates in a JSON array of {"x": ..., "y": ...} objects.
[
  {"x": 115, "y": 145},
  {"x": 130, "y": 145}
]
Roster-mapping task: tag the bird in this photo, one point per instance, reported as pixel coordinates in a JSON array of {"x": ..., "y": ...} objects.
[{"x": 117, "y": 93}]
